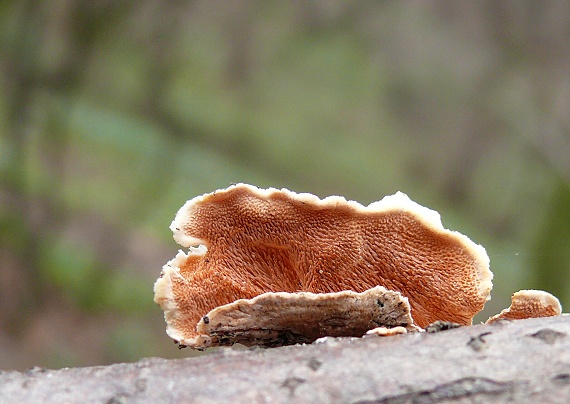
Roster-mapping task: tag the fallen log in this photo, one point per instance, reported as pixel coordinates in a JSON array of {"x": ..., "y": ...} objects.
[{"x": 508, "y": 361}]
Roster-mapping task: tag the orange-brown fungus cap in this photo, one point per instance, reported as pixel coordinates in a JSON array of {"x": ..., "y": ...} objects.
[
  {"x": 245, "y": 241},
  {"x": 529, "y": 304}
]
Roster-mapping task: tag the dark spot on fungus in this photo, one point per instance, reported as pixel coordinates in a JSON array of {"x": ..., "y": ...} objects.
[
  {"x": 379, "y": 303},
  {"x": 206, "y": 320}
]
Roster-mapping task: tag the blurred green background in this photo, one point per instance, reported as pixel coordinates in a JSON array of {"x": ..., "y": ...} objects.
[{"x": 113, "y": 114}]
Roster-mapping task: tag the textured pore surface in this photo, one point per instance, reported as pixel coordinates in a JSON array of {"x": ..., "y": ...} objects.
[
  {"x": 254, "y": 241},
  {"x": 530, "y": 304}
]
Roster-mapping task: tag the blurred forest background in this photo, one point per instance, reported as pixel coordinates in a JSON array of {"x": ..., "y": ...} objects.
[{"x": 113, "y": 114}]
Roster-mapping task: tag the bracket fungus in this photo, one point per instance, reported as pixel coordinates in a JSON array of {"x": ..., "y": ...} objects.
[
  {"x": 245, "y": 242},
  {"x": 281, "y": 318},
  {"x": 529, "y": 304}
]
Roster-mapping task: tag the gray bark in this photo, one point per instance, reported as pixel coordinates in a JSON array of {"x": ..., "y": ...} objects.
[{"x": 510, "y": 361}]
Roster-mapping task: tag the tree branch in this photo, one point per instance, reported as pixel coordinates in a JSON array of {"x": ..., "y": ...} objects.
[{"x": 526, "y": 360}]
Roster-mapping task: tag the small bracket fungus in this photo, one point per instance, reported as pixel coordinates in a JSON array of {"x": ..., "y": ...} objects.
[
  {"x": 529, "y": 304},
  {"x": 280, "y": 318},
  {"x": 245, "y": 242},
  {"x": 387, "y": 332}
]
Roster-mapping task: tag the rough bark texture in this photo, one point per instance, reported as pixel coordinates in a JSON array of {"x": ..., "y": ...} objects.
[{"x": 520, "y": 361}]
